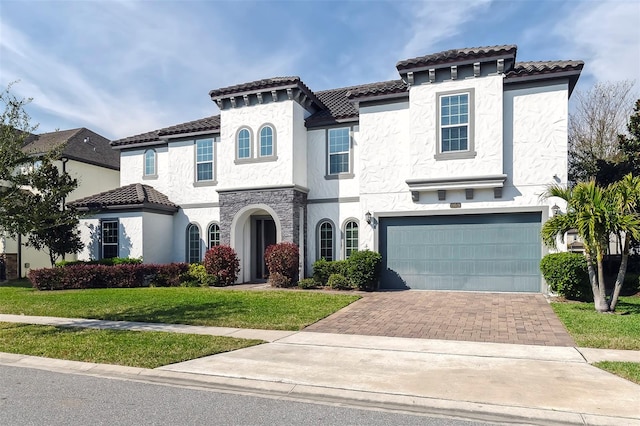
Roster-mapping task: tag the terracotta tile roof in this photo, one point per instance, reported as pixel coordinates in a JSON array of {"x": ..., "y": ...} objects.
[
  {"x": 133, "y": 196},
  {"x": 96, "y": 150},
  {"x": 252, "y": 86},
  {"x": 378, "y": 89},
  {"x": 456, "y": 55},
  {"x": 204, "y": 124},
  {"x": 543, "y": 67}
]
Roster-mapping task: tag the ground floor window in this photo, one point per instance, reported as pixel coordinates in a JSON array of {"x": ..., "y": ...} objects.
[
  {"x": 350, "y": 238},
  {"x": 109, "y": 238},
  {"x": 193, "y": 243},
  {"x": 325, "y": 237},
  {"x": 214, "y": 235}
]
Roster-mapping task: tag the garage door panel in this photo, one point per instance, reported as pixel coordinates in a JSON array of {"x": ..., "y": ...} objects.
[{"x": 497, "y": 252}]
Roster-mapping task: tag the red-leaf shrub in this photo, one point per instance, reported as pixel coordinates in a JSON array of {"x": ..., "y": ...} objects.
[
  {"x": 276, "y": 279},
  {"x": 222, "y": 262},
  {"x": 84, "y": 276},
  {"x": 283, "y": 259}
]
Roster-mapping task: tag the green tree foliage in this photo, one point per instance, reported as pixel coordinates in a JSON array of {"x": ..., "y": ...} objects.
[
  {"x": 32, "y": 188},
  {"x": 596, "y": 213},
  {"x": 600, "y": 115},
  {"x": 53, "y": 225}
]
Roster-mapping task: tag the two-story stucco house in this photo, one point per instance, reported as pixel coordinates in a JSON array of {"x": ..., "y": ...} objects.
[
  {"x": 87, "y": 157},
  {"x": 440, "y": 170}
]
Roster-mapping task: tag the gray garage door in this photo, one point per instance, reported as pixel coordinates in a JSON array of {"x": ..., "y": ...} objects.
[{"x": 492, "y": 252}]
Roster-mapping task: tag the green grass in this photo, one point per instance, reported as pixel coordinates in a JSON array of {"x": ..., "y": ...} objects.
[
  {"x": 628, "y": 370},
  {"x": 594, "y": 330},
  {"x": 271, "y": 309},
  {"x": 147, "y": 349}
]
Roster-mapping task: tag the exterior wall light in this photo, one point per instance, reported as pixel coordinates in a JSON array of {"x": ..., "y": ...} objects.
[
  {"x": 367, "y": 217},
  {"x": 555, "y": 210}
]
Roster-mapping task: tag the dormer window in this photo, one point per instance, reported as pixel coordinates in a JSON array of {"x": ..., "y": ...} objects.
[
  {"x": 244, "y": 144},
  {"x": 455, "y": 125}
]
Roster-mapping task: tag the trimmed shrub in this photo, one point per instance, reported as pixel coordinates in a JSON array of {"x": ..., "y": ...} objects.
[
  {"x": 283, "y": 259},
  {"x": 322, "y": 270},
  {"x": 197, "y": 276},
  {"x": 566, "y": 274},
  {"x": 83, "y": 276},
  {"x": 363, "y": 269},
  {"x": 222, "y": 263},
  {"x": 339, "y": 282},
  {"x": 307, "y": 283},
  {"x": 278, "y": 280},
  {"x": 109, "y": 262}
]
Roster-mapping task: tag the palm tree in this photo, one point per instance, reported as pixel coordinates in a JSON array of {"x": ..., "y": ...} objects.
[{"x": 596, "y": 213}]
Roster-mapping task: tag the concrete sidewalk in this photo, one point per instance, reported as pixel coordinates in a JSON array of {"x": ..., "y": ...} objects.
[{"x": 484, "y": 381}]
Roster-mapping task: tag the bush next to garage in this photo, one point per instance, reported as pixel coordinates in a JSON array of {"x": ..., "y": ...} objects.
[
  {"x": 83, "y": 276},
  {"x": 223, "y": 264},
  {"x": 323, "y": 269},
  {"x": 283, "y": 260},
  {"x": 363, "y": 269},
  {"x": 566, "y": 274}
]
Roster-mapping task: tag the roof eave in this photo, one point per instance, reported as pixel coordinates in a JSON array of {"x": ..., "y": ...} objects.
[
  {"x": 403, "y": 70},
  {"x": 572, "y": 75}
]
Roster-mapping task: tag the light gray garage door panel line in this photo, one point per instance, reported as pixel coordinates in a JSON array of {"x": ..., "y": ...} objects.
[{"x": 496, "y": 252}]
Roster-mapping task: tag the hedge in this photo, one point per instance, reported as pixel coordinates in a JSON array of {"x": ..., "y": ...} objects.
[
  {"x": 83, "y": 276},
  {"x": 566, "y": 273}
]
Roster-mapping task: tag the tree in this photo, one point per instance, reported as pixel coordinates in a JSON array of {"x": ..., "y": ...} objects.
[
  {"x": 32, "y": 189},
  {"x": 53, "y": 225},
  {"x": 14, "y": 130},
  {"x": 596, "y": 213},
  {"x": 630, "y": 144},
  {"x": 600, "y": 116}
]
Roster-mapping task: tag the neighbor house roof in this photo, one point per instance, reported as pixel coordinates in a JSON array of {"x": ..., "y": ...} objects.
[
  {"x": 80, "y": 144},
  {"x": 131, "y": 197}
]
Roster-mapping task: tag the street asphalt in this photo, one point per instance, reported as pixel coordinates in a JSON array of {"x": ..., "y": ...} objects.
[{"x": 524, "y": 384}]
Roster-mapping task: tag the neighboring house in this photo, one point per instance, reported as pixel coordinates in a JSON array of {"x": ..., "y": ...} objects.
[
  {"x": 87, "y": 157},
  {"x": 440, "y": 170}
]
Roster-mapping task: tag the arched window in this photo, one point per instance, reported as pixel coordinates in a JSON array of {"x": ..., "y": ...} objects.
[
  {"x": 350, "y": 238},
  {"x": 244, "y": 144},
  {"x": 150, "y": 162},
  {"x": 214, "y": 235},
  {"x": 266, "y": 141},
  {"x": 193, "y": 243},
  {"x": 325, "y": 240}
]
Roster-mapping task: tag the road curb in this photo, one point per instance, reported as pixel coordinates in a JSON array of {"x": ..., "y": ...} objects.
[{"x": 319, "y": 395}]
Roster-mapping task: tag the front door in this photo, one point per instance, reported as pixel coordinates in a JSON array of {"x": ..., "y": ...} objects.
[{"x": 264, "y": 235}]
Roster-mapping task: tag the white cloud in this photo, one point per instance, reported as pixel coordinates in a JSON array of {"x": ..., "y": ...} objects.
[
  {"x": 606, "y": 35},
  {"x": 433, "y": 22}
]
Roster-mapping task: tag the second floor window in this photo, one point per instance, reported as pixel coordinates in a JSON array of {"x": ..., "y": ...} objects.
[
  {"x": 266, "y": 141},
  {"x": 454, "y": 122},
  {"x": 244, "y": 144},
  {"x": 204, "y": 160},
  {"x": 150, "y": 162},
  {"x": 339, "y": 150}
]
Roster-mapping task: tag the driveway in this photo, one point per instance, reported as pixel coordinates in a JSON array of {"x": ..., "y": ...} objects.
[{"x": 525, "y": 319}]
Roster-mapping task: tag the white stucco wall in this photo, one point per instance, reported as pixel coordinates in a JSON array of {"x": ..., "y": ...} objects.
[
  {"x": 202, "y": 217},
  {"x": 299, "y": 146},
  {"x": 130, "y": 240},
  {"x": 157, "y": 238}
]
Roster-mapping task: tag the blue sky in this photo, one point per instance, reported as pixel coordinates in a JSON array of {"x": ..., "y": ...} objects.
[{"x": 125, "y": 67}]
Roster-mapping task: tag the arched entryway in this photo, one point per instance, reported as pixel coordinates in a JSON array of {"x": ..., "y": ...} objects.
[{"x": 253, "y": 229}]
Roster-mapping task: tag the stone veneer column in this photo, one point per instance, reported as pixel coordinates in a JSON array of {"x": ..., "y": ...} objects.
[{"x": 286, "y": 202}]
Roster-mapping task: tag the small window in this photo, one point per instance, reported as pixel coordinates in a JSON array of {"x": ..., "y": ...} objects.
[
  {"x": 244, "y": 144},
  {"x": 214, "y": 235},
  {"x": 150, "y": 162},
  {"x": 325, "y": 238},
  {"x": 193, "y": 243},
  {"x": 204, "y": 160},
  {"x": 109, "y": 239},
  {"x": 339, "y": 149},
  {"x": 350, "y": 238},
  {"x": 266, "y": 141}
]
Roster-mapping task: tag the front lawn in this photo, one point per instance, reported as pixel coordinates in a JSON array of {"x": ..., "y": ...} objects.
[
  {"x": 594, "y": 330},
  {"x": 628, "y": 370},
  {"x": 270, "y": 309},
  {"x": 146, "y": 349}
]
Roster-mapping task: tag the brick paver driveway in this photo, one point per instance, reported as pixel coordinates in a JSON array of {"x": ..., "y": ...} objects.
[{"x": 482, "y": 317}]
